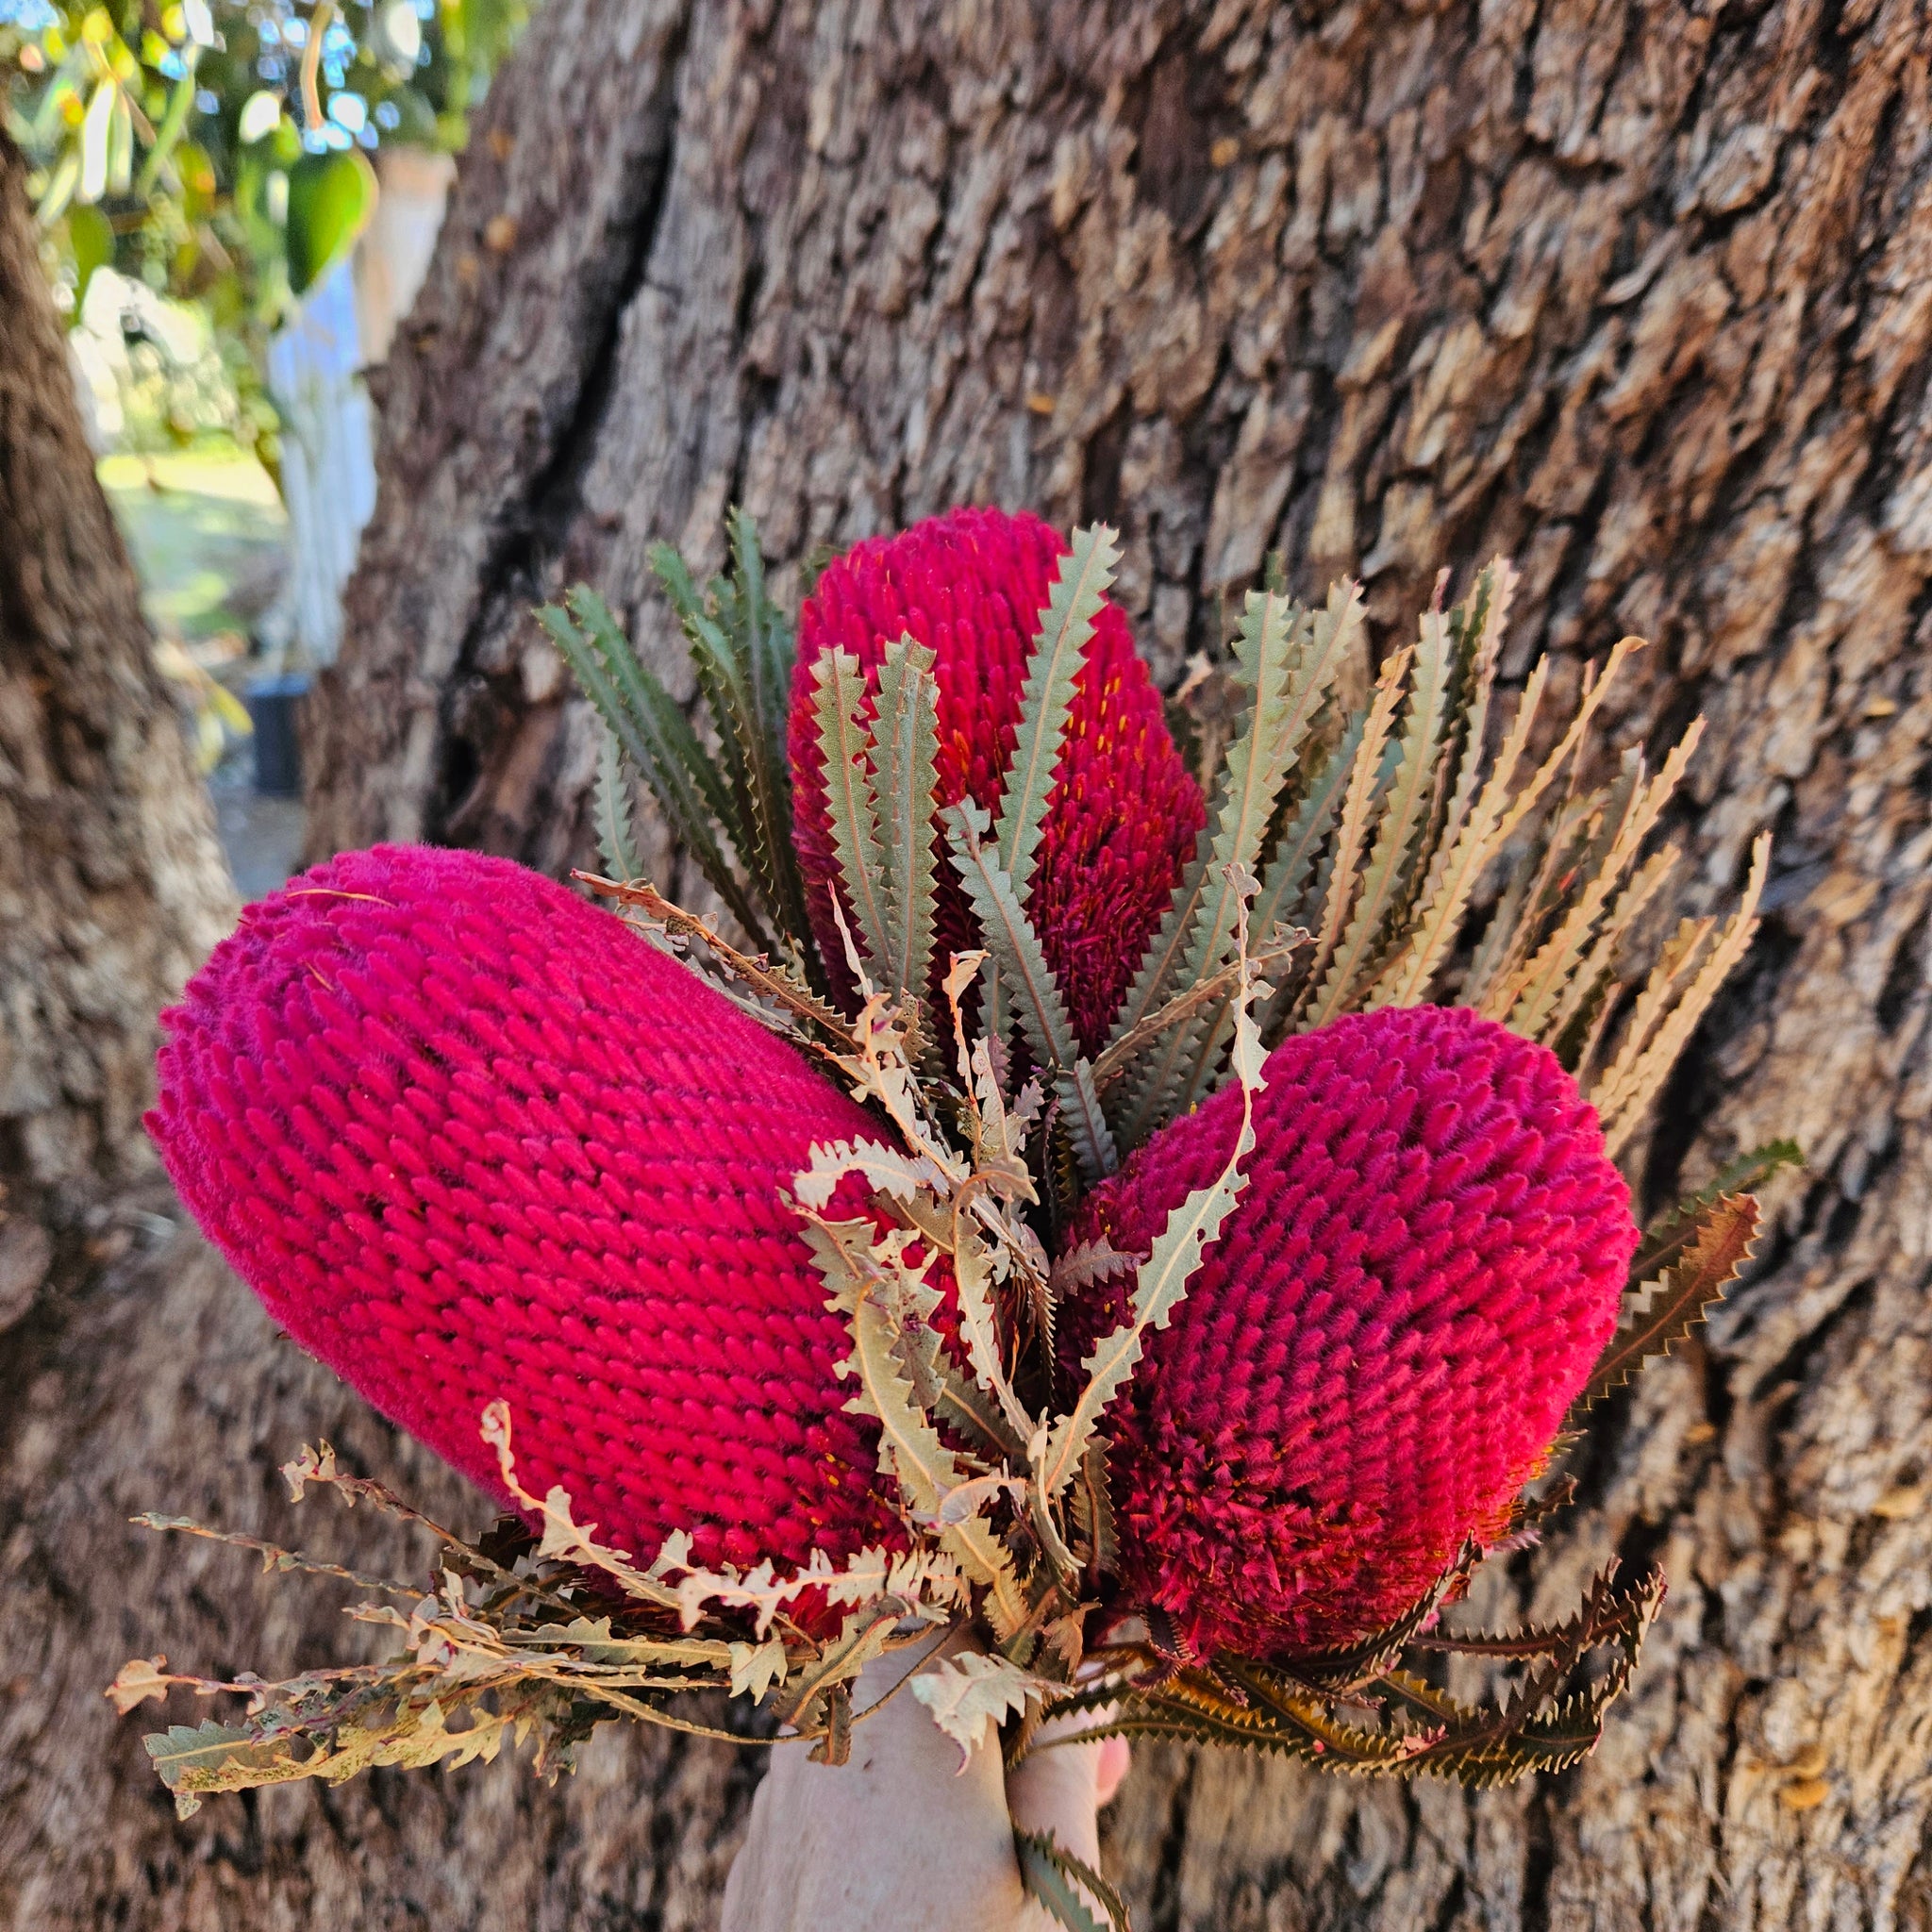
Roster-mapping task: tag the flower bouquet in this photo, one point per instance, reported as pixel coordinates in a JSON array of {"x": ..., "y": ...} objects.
[{"x": 1132, "y": 1185}]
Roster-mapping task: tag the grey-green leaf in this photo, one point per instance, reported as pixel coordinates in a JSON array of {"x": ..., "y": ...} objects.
[
  {"x": 845, "y": 746},
  {"x": 616, "y": 842},
  {"x": 906, "y": 743},
  {"x": 1024, "y": 973},
  {"x": 1046, "y": 698}
]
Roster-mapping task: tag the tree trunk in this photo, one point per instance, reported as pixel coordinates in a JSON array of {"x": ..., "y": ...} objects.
[{"x": 1636, "y": 291}]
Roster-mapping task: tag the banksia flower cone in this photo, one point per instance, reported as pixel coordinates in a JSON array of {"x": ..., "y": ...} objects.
[
  {"x": 468, "y": 1137},
  {"x": 1415, "y": 1283},
  {"x": 1122, "y": 822}
]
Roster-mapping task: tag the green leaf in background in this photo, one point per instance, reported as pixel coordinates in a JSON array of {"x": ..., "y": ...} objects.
[
  {"x": 90, "y": 236},
  {"x": 331, "y": 198}
]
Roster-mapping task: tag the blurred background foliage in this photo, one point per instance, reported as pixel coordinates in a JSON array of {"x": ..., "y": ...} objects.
[{"x": 214, "y": 154}]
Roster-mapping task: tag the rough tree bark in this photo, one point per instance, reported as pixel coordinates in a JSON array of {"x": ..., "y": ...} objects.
[{"x": 1635, "y": 290}]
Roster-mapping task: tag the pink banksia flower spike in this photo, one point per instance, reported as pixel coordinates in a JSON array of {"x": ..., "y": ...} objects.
[
  {"x": 1122, "y": 822},
  {"x": 469, "y": 1137},
  {"x": 1374, "y": 1357}
]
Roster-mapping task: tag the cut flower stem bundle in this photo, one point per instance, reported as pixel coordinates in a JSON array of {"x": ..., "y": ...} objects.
[{"x": 1226, "y": 1153}]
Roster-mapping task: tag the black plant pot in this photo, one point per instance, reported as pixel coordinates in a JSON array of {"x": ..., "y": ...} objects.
[{"x": 274, "y": 704}]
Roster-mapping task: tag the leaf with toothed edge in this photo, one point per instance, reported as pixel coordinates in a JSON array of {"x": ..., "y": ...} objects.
[
  {"x": 615, "y": 842},
  {"x": 1289, "y": 658},
  {"x": 656, "y": 738},
  {"x": 1046, "y": 698},
  {"x": 1056, "y": 1879},
  {"x": 1015, "y": 949},
  {"x": 968, "y": 1695},
  {"x": 1679, "y": 1298},
  {"x": 1160, "y": 1282},
  {"x": 844, "y": 747},
  {"x": 906, "y": 785}
]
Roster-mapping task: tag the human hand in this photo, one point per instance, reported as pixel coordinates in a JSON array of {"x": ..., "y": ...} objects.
[{"x": 901, "y": 1835}]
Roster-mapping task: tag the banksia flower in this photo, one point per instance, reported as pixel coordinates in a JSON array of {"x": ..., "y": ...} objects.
[
  {"x": 1122, "y": 822},
  {"x": 468, "y": 1137},
  {"x": 1372, "y": 1359}
]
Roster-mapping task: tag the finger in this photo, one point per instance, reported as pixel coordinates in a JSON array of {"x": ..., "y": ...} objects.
[
  {"x": 1115, "y": 1757},
  {"x": 1056, "y": 1790}
]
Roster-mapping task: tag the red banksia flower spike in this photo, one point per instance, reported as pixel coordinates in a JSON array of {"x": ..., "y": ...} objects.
[
  {"x": 1123, "y": 820},
  {"x": 1416, "y": 1281},
  {"x": 469, "y": 1138}
]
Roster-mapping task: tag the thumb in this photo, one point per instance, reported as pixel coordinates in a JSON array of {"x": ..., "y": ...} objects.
[{"x": 1057, "y": 1789}]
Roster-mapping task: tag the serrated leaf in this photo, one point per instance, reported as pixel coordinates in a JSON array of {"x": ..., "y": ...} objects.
[
  {"x": 1093, "y": 1503},
  {"x": 1160, "y": 1282},
  {"x": 1679, "y": 1298},
  {"x": 616, "y": 844},
  {"x": 1624, "y": 1094},
  {"x": 845, "y": 750},
  {"x": 1491, "y": 822},
  {"x": 1054, "y": 1878},
  {"x": 742, "y": 655},
  {"x": 1592, "y": 974},
  {"x": 1402, "y": 812},
  {"x": 979, "y": 1330},
  {"x": 1080, "y": 1109},
  {"x": 657, "y": 738},
  {"x": 1284, "y": 882},
  {"x": 987, "y": 1561},
  {"x": 910, "y": 1450},
  {"x": 905, "y": 782},
  {"x": 757, "y": 1667},
  {"x": 1014, "y": 945},
  {"x": 1046, "y": 698},
  {"x": 1542, "y": 982},
  {"x": 863, "y": 1636},
  {"x": 886, "y": 1169},
  {"x": 1364, "y": 778},
  {"x": 1095, "y": 1260},
  {"x": 1666, "y": 1238},
  {"x": 193, "y": 1760},
  {"x": 970, "y": 1694},
  {"x": 769, "y": 653},
  {"x": 1288, "y": 662}
]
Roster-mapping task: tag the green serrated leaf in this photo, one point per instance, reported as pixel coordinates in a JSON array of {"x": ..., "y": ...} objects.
[
  {"x": 741, "y": 652},
  {"x": 1160, "y": 1283},
  {"x": 1276, "y": 643},
  {"x": 770, "y": 653},
  {"x": 1024, "y": 973},
  {"x": 1667, "y": 1237},
  {"x": 851, "y": 803},
  {"x": 656, "y": 736},
  {"x": 906, "y": 743},
  {"x": 616, "y": 844},
  {"x": 1290, "y": 662},
  {"x": 1054, "y": 1878},
  {"x": 1080, "y": 1108},
  {"x": 1046, "y": 698}
]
